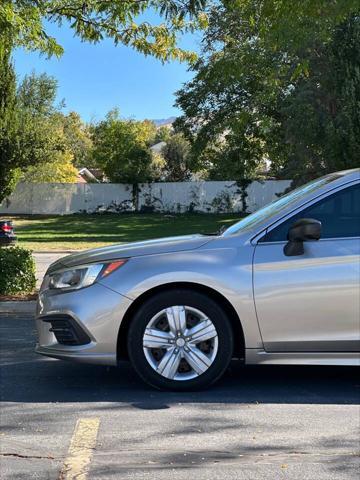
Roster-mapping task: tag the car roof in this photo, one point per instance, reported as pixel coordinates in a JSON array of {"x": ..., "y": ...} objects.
[{"x": 352, "y": 174}]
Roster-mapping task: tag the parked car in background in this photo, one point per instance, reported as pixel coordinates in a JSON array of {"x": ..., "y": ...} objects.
[
  {"x": 7, "y": 234},
  {"x": 281, "y": 286}
]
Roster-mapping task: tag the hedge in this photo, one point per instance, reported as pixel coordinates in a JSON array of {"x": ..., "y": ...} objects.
[{"x": 17, "y": 271}]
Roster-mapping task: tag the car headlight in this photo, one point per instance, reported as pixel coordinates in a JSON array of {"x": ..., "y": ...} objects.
[{"x": 79, "y": 277}]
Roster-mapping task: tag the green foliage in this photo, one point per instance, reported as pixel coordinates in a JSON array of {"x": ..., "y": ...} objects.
[
  {"x": 39, "y": 143},
  {"x": 162, "y": 134},
  {"x": 157, "y": 167},
  {"x": 320, "y": 118},
  {"x": 227, "y": 106},
  {"x": 37, "y": 93},
  {"x": 177, "y": 158},
  {"x": 78, "y": 139},
  {"x": 17, "y": 271},
  {"x": 258, "y": 96},
  {"x": 292, "y": 25},
  {"x": 8, "y": 120},
  {"x": 59, "y": 170},
  {"x": 278, "y": 22},
  {"x": 121, "y": 148},
  {"x": 42, "y": 143},
  {"x": 26, "y": 22}
]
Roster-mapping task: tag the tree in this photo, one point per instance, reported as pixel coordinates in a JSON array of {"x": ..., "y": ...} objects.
[
  {"x": 37, "y": 98},
  {"x": 78, "y": 139},
  {"x": 94, "y": 20},
  {"x": 177, "y": 158},
  {"x": 278, "y": 22},
  {"x": 228, "y": 106},
  {"x": 25, "y": 137},
  {"x": 321, "y": 118},
  {"x": 121, "y": 148},
  {"x": 157, "y": 167},
  {"x": 33, "y": 145},
  {"x": 43, "y": 142},
  {"x": 255, "y": 98},
  {"x": 41, "y": 127},
  {"x": 162, "y": 134},
  {"x": 59, "y": 170},
  {"x": 146, "y": 132},
  {"x": 291, "y": 26},
  {"x": 8, "y": 121},
  {"x": 37, "y": 93}
]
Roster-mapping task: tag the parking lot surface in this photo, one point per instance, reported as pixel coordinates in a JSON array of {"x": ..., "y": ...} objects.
[{"x": 61, "y": 420}]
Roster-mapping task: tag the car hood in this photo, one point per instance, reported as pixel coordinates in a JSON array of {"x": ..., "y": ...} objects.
[{"x": 135, "y": 249}]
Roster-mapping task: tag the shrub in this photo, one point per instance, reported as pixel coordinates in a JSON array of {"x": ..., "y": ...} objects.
[{"x": 17, "y": 271}]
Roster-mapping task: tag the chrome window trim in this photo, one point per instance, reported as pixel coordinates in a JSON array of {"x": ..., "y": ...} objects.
[
  {"x": 338, "y": 239},
  {"x": 256, "y": 239}
]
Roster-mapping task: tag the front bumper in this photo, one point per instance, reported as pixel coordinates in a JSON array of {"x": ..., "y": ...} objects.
[{"x": 97, "y": 311}]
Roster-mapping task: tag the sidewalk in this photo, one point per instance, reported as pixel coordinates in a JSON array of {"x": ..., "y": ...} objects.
[{"x": 43, "y": 260}]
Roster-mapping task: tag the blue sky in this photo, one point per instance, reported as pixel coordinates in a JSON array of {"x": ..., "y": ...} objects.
[{"x": 95, "y": 78}]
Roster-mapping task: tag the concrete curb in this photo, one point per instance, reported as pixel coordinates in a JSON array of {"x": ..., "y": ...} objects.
[{"x": 24, "y": 307}]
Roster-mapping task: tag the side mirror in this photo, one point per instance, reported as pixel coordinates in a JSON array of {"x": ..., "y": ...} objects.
[{"x": 304, "y": 230}]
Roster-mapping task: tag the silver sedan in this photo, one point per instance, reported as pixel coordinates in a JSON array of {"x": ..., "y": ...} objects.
[{"x": 281, "y": 286}]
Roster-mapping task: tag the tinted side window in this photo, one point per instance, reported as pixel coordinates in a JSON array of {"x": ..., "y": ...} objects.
[{"x": 339, "y": 215}]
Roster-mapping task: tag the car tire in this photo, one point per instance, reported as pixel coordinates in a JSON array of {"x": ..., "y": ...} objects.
[{"x": 194, "y": 307}]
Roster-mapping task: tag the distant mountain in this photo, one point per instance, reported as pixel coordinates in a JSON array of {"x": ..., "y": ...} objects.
[{"x": 164, "y": 121}]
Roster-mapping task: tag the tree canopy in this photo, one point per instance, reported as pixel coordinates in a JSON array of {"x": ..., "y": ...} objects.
[
  {"x": 8, "y": 121},
  {"x": 121, "y": 148},
  {"x": 124, "y": 21},
  {"x": 291, "y": 25},
  {"x": 78, "y": 139},
  {"x": 177, "y": 159},
  {"x": 59, "y": 170},
  {"x": 257, "y": 97},
  {"x": 278, "y": 23},
  {"x": 37, "y": 143}
]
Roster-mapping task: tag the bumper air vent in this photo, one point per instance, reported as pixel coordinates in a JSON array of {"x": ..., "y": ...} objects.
[{"x": 66, "y": 330}]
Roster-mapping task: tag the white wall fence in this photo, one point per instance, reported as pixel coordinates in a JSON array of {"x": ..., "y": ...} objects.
[{"x": 205, "y": 197}]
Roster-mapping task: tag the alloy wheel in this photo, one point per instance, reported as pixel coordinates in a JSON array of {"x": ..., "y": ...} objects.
[{"x": 180, "y": 343}]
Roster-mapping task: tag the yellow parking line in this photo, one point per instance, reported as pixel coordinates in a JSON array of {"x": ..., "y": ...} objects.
[{"x": 81, "y": 448}]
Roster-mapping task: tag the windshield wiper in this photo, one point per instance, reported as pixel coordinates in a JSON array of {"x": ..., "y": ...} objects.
[{"x": 218, "y": 233}]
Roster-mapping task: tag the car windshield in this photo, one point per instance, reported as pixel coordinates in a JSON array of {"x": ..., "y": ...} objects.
[{"x": 277, "y": 206}]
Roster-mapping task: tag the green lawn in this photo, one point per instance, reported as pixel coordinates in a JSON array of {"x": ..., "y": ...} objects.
[{"x": 78, "y": 232}]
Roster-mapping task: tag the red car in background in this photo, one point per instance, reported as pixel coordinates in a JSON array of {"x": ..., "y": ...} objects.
[{"x": 7, "y": 235}]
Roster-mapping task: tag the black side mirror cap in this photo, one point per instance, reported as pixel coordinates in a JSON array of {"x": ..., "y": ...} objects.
[{"x": 304, "y": 230}]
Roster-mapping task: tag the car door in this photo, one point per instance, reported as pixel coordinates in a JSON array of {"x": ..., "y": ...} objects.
[{"x": 311, "y": 302}]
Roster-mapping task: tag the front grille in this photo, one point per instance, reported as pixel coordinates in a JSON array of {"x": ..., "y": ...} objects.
[{"x": 66, "y": 330}]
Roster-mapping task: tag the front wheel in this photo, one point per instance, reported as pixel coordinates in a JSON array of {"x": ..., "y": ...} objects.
[{"x": 180, "y": 340}]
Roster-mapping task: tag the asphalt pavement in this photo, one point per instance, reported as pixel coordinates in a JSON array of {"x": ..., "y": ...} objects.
[{"x": 256, "y": 423}]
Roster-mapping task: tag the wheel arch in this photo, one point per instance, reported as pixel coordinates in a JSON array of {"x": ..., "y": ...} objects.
[{"x": 239, "y": 339}]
